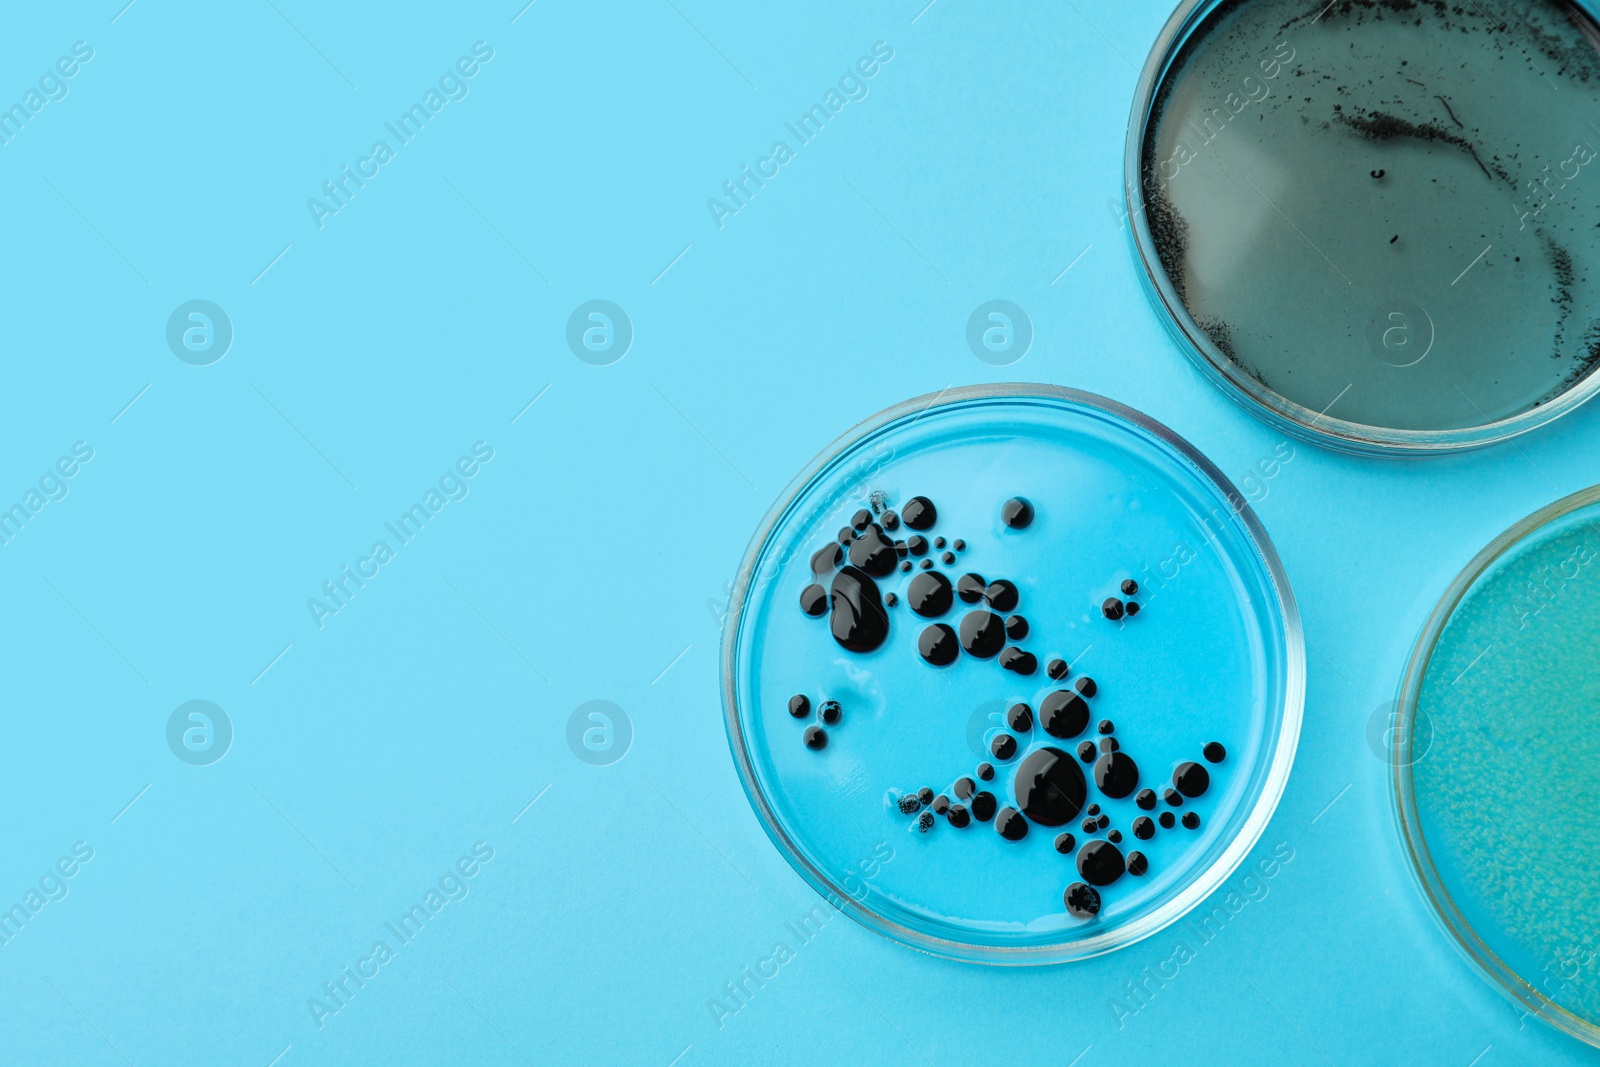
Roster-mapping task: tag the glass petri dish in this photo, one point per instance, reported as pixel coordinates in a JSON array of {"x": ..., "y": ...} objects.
[
  {"x": 1496, "y": 757},
  {"x": 841, "y": 712},
  {"x": 1376, "y": 225}
]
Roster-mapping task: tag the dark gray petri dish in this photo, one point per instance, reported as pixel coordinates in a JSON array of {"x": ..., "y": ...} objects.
[{"x": 1377, "y": 222}]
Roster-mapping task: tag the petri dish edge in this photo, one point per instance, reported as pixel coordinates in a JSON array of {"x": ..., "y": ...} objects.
[{"x": 1232, "y": 854}]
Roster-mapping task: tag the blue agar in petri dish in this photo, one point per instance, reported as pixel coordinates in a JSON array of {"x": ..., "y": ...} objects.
[
  {"x": 1376, "y": 223},
  {"x": 1497, "y": 762},
  {"x": 1012, "y": 675}
]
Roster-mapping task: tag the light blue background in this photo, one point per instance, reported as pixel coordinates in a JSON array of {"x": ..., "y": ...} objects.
[{"x": 590, "y": 557}]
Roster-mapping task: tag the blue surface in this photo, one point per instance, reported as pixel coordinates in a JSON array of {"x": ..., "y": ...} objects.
[{"x": 590, "y": 555}]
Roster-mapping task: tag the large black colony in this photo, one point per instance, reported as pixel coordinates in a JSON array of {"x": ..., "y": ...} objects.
[{"x": 1048, "y": 784}]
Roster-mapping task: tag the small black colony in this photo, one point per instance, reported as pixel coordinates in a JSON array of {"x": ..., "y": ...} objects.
[{"x": 1048, "y": 785}]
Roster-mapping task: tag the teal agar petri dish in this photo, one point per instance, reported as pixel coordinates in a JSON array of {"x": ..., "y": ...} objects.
[
  {"x": 1376, "y": 223},
  {"x": 1012, "y": 675},
  {"x": 1497, "y": 761}
]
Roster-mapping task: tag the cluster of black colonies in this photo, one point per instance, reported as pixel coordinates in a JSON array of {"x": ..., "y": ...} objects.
[
  {"x": 1114, "y": 608},
  {"x": 984, "y": 632},
  {"x": 864, "y": 552},
  {"x": 925, "y": 805},
  {"x": 1050, "y": 787},
  {"x": 829, "y": 712}
]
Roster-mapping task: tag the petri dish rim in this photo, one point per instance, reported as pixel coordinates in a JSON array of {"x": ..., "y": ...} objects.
[
  {"x": 1270, "y": 406},
  {"x": 1273, "y": 782},
  {"x": 1408, "y": 819}
]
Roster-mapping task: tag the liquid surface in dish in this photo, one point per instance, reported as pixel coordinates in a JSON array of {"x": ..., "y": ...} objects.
[{"x": 1385, "y": 210}]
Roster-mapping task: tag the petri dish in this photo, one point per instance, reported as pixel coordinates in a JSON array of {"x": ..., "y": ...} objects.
[
  {"x": 1376, "y": 225},
  {"x": 970, "y": 550},
  {"x": 1496, "y": 757}
]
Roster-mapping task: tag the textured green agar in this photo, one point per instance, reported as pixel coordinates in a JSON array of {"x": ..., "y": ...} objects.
[{"x": 1506, "y": 789}]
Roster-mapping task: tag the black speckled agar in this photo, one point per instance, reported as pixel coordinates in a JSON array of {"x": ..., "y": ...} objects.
[{"x": 1457, "y": 124}]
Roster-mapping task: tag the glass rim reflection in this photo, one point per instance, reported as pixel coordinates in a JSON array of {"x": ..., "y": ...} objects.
[{"x": 1267, "y": 404}]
